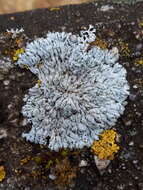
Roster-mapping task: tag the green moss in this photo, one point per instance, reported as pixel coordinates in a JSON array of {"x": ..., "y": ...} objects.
[
  {"x": 49, "y": 163},
  {"x": 64, "y": 152},
  {"x": 37, "y": 159}
]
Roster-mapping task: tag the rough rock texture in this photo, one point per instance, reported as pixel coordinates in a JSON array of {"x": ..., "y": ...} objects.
[{"x": 119, "y": 26}]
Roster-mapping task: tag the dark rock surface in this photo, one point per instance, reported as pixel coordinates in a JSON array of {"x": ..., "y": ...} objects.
[{"x": 120, "y": 26}]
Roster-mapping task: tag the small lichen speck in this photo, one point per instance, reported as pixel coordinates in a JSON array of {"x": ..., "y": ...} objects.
[
  {"x": 124, "y": 48},
  {"x": 17, "y": 53},
  {"x": 139, "y": 62},
  {"x": 2, "y": 173}
]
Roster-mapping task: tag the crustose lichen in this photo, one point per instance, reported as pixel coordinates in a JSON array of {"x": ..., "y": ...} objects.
[{"x": 106, "y": 147}]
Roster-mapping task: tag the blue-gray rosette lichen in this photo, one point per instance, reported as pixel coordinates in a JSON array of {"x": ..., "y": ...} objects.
[{"x": 82, "y": 91}]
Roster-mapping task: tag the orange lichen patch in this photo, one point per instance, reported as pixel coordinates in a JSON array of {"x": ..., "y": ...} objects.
[
  {"x": 100, "y": 43},
  {"x": 25, "y": 160},
  {"x": 65, "y": 172},
  {"x": 105, "y": 148},
  {"x": 17, "y": 53},
  {"x": 19, "y": 42},
  {"x": 2, "y": 173},
  {"x": 123, "y": 48}
]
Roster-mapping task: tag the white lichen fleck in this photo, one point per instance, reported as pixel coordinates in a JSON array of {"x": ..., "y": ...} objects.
[
  {"x": 15, "y": 32},
  {"x": 105, "y": 8},
  {"x": 5, "y": 65},
  {"x": 3, "y": 133},
  {"x": 82, "y": 92}
]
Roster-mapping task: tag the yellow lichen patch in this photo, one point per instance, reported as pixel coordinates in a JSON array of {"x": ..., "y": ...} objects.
[
  {"x": 36, "y": 173},
  {"x": 2, "y": 173},
  {"x": 12, "y": 43},
  {"x": 49, "y": 164},
  {"x": 57, "y": 163},
  {"x": 64, "y": 152},
  {"x": 37, "y": 159},
  {"x": 139, "y": 62},
  {"x": 26, "y": 67},
  {"x": 17, "y": 53},
  {"x": 65, "y": 173},
  {"x": 18, "y": 41},
  {"x": 105, "y": 148},
  {"x": 25, "y": 160},
  {"x": 39, "y": 83},
  {"x": 124, "y": 48},
  {"x": 141, "y": 24},
  {"x": 54, "y": 9},
  {"x": 100, "y": 43}
]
